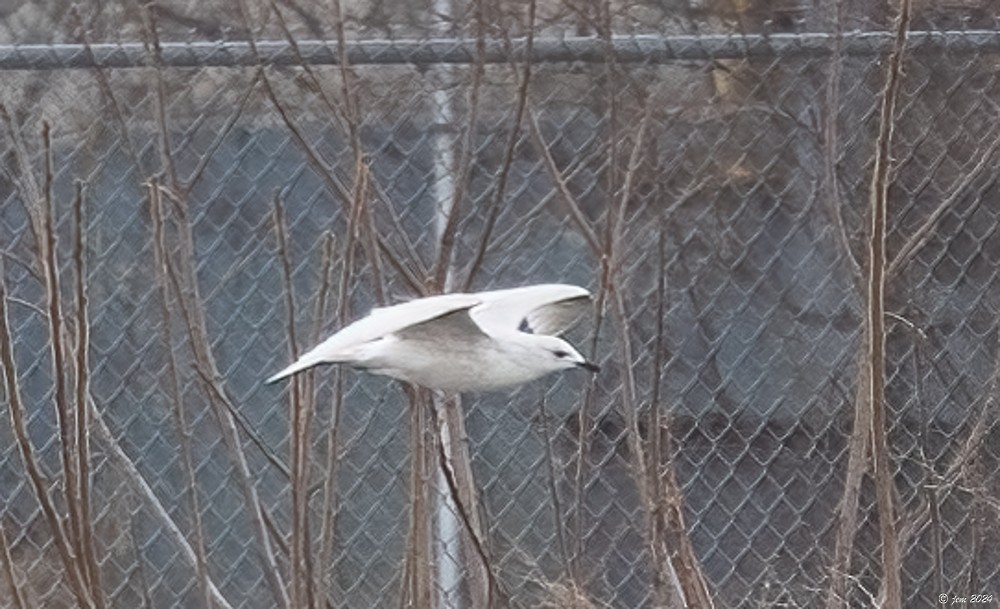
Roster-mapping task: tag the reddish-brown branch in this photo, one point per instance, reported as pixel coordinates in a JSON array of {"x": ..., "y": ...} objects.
[
  {"x": 300, "y": 558},
  {"x": 174, "y": 385},
  {"x": 496, "y": 203},
  {"x": 81, "y": 417},
  {"x": 39, "y": 484},
  {"x": 7, "y": 562}
]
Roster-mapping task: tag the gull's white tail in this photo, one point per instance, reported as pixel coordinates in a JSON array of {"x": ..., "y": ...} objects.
[
  {"x": 339, "y": 348},
  {"x": 310, "y": 359},
  {"x": 331, "y": 351}
]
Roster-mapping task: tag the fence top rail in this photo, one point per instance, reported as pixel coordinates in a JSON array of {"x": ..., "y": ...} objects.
[{"x": 653, "y": 49}]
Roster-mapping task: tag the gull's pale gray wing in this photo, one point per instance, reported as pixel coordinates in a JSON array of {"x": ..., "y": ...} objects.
[
  {"x": 380, "y": 322},
  {"x": 451, "y": 328},
  {"x": 549, "y": 309},
  {"x": 558, "y": 317}
]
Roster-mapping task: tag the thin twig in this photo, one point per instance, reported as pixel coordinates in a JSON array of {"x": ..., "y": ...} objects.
[
  {"x": 617, "y": 220},
  {"x": 350, "y": 120},
  {"x": 376, "y": 246},
  {"x": 206, "y": 157},
  {"x": 47, "y": 248},
  {"x": 494, "y": 592},
  {"x": 557, "y": 512},
  {"x": 191, "y": 305},
  {"x": 670, "y": 518},
  {"x": 496, "y": 203},
  {"x": 242, "y": 473},
  {"x": 857, "y": 457},
  {"x": 81, "y": 418},
  {"x": 328, "y": 526},
  {"x": 237, "y": 415},
  {"x": 374, "y": 240},
  {"x": 575, "y": 212},
  {"x": 128, "y": 469},
  {"x": 679, "y": 564},
  {"x": 362, "y": 172},
  {"x": 321, "y": 301},
  {"x": 16, "y": 591},
  {"x": 300, "y": 558},
  {"x": 417, "y": 266},
  {"x": 926, "y": 232},
  {"x": 24, "y": 178},
  {"x": 104, "y": 84},
  {"x": 183, "y": 431},
  {"x": 331, "y": 498},
  {"x": 39, "y": 484},
  {"x": 306, "y": 67},
  {"x": 831, "y": 181},
  {"x": 187, "y": 295},
  {"x": 446, "y": 241},
  {"x": 153, "y": 45},
  {"x": 251, "y": 434},
  {"x": 657, "y": 475},
  {"x": 948, "y": 481}
]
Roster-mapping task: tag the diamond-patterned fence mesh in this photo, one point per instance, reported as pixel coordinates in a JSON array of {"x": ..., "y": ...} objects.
[{"x": 707, "y": 174}]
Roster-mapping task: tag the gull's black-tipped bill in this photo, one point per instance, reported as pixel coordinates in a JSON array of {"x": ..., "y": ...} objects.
[{"x": 591, "y": 366}]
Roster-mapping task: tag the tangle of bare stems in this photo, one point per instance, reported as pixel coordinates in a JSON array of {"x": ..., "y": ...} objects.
[
  {"x": 72, "y": 533},
  {"x": 869, "y": 437},
  {"x": 676, "y": 569}
]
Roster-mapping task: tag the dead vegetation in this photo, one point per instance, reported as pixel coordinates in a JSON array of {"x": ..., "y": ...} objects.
[{"x": 297, "y": 535}]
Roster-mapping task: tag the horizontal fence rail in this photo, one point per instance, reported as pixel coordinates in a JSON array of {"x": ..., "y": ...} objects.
[{"x": 428, "y": 52}]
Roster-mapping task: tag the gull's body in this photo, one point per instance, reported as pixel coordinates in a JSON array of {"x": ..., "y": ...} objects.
[{"x": 460, "y": 342}]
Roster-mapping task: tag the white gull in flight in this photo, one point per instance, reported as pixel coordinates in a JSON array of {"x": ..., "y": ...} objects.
[{"x": 461, "y": 342}]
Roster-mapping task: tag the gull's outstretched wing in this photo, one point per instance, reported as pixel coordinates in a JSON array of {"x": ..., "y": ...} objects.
[
  {"x": 455, "y": 327},
  {"x": 380, "y": 322},
  {"x": 549, "y": 309}
]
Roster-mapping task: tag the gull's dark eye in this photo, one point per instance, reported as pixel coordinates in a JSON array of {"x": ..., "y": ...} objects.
[{"x": 560, "y": 353}]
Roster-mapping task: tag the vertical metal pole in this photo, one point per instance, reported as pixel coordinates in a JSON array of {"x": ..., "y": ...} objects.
[{"x": 446, "y": 540}]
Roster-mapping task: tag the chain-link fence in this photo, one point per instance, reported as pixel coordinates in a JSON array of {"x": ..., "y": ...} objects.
[{"x": 711, "y": 188}]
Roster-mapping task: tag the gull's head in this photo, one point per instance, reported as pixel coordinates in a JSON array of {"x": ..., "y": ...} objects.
[{"x": 553, "y": 354}]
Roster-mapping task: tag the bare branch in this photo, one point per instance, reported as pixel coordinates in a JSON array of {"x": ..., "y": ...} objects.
[
  {"x": 871, "y": 422},
  {"x": 877, "y": 263},
  {"x": 183, "y": 432},
  {"x": 300, "y": 557},
  {"x": 7, "y": 562},
  {"x": 185, "y": 283},
  {"x": 496, "y": 203},
  {"x": 127, "y": 467},
  {"x": 104, "y": 84},
  {"x": 446, "y": 243},
  {"x": 39, "y": 484},
  {"x": 925, "y": 232},
  {"x": 495, "y": 593},
  {"x": 65, "y": 415},
  {"x": 418, "y": 560},
  {"x": 557, "y": 521},
  {"x": 81, "y": 417},
  {"x": 575, "y": 212},
  {"x": 165, "y": 146},
  {"x": 831, "y": 180},
  {"x": 224, "y": 132}
]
